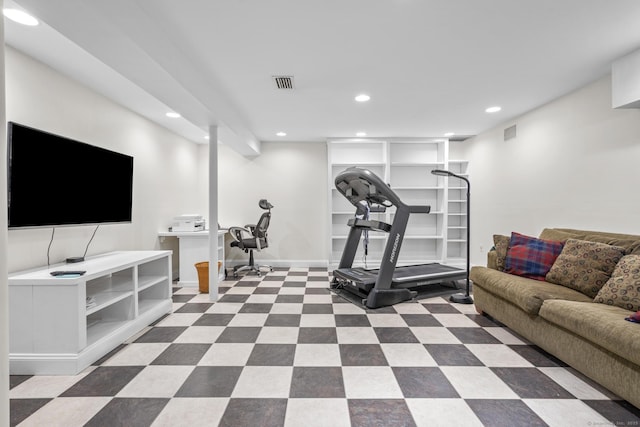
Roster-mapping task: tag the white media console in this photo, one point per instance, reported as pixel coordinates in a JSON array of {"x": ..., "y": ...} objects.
[{"x": 54, "y": 331}]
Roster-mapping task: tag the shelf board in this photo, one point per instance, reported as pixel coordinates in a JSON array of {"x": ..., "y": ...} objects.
[
  {"x": 145, "y": 305},
  {"x": 145, "y": 282},
  {"x": 417, "y": 164},
  {"x": 422, "y": 237},
  {"x": 105, "y": 299},
  {"x": 99, "y": 330}
]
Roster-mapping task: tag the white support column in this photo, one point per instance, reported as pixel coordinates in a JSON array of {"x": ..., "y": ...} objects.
[
  {"x": 213, "y": 213},
  {"x": 4, "y": 286}
]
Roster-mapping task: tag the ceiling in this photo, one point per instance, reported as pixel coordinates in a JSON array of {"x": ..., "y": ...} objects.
[{"x": 430, "y": 66}]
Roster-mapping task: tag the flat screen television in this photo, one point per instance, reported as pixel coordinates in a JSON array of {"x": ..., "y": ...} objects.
[{"x": 57, "y": 181}]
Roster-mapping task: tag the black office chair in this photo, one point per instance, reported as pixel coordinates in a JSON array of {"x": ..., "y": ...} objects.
[{"x": 252, "y": 237}]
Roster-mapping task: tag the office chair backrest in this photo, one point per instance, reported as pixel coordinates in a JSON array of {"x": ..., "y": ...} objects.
[{"x": 265, "y": 219}]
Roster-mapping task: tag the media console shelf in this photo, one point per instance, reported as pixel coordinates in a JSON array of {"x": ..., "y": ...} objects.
[{"x": 60, "y": 325}]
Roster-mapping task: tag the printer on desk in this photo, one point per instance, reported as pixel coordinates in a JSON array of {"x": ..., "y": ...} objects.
[{"x": 188, "y": 223}]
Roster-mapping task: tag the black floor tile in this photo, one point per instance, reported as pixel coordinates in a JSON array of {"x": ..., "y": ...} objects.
[
  {"x": 317, "y": 309},
  {"x": 245, "y": 334},
  {"x": 380, "y": 413},
  {"x": 474, "y": 336},
  {"x": 395, "y": 335},
  {"x": 290, "y": 299},
  {"x": 420, "y": 320},
  {"x": 120, "y": 412},
  {"x": 530, "y": 383},
  {"x": 272, "y": 355},
  {"x": 103, "y": 381},
  {"x": 317, "y": 336},
  {"x": 254, "y": 412},
  {"x": 424, "y": 382},
  {"x": 256, "y": 308},
  {"x": 214, "y": 319},
  {"x": 182, "y": 354},
  {"x": 210, "y": 381},
  {"x": 317, "y": 382},
  {"x": 352, "y": 320},
  {"x": 505, "y": 413},
  {"x": 618, "y": 412},
  {"x": 440, "y": 308},
  {"x": 452, "y": 355},
  {"x": 161, "y": 334},
  {"x": 15, "y": 380},
  {"x": 200, "y": 307},
  {"x": 362, "y": 355},
  {"x": 283, "y": 320},
  {"x": 536, "y": 356},
  {"x": 21, "y": 409}
]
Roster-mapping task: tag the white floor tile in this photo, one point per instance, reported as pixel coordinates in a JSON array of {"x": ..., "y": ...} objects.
[
  {"x": 410, "y": 308},
  {"x": 286, "y": 308},
  {"x": 225, "y": 308},
  {"x": 227, "y": 354},
  {"x": 356, "y": 335},
  {"x": 292, "y": 291},
  {"x": 192, "y": 412},
  {"x": 472, "y": 382},
  {"x": 317, "y": 413},
  {"x": 434, "y": 335},
  {"x": 66, "y": 412},
  {"x": 278, "y": 335},
  {"x": 504, "y": 336},
  {"x": 566, "y": 413},
  {"x": 317, "y": 299},
  {"x": 442, "y": 413},
  {"x": 264, "y": 381},
  {"x": 386, "y": 320},
  {"x": 572, "y": 383},
  {"x": 317, "y": 355},
  {"x": 262, "y": 299},
  {"x": 370, "y": 382},
  {"x": 318, "y": 321},
  {"x": 498, "y": 355},
  {"x": 137, "y": 354},
  {"x": 347, "y": 308},
  {"x": 407, "y": 355},
  {"x": 44, "y": 386},
  {"x": 200, "y": 334},
  {"x": 156, "y": 381},
  {"x": 248, "y": 319}
]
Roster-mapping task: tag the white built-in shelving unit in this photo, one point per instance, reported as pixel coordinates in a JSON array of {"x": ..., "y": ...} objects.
[
  {"x": 54, "y": 330},
  {"x": 406, "y": 165}
]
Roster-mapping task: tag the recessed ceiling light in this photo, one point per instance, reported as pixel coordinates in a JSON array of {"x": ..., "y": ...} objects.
[
  {"x": 20, "y": 17},
  {"x": 362, "y": 98},
  {"x": 361, "y": 134},
  {"x": 493, "y": 109},
  {"x": 206, "y": 137},
  {"x": 281, "y": 134},
  {"x": 173, "y": 115},
  {"x": 448, "y": 134}
]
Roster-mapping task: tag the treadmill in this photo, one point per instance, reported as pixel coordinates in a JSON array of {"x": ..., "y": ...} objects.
[{"x": 388, "y": 284}]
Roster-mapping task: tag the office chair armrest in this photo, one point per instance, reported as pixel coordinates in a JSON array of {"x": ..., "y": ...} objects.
[{"x": 236, "y": 233}]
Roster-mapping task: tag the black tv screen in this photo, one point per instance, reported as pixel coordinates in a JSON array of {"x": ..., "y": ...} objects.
[{"x": 56, "y": 181}]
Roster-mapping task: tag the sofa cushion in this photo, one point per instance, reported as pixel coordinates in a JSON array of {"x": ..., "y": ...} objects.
[
  {"x": 501, "y": 243},
  {"x": 585, "y": 266},
  {"x": 623, "y": 288},
  {"x": 531, "y": 257},
  {"x": 561, "y": 235},
  {"x": 601, "y": 324},
  {"x": 631, "y": 246},
  {"x": 527, "y": 294}
]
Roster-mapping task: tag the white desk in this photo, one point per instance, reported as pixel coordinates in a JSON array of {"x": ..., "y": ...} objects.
[{"x": 194, "y": 248}]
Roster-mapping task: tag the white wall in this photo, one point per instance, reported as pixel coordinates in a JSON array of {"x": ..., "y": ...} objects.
[
  {"x": 293, "y": 177},
  {"x": 573, "y": 164},
  {"x": 165, "y": 184}
]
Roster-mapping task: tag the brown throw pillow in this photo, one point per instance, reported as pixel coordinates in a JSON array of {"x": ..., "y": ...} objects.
[
  {"x": 584, "y": 266},
  {"x": 623, "y": 288},
  {"x": 501, "y": 243}
]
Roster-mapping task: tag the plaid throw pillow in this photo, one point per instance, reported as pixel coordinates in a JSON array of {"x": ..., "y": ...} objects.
[{"x": 531, "y": 257}]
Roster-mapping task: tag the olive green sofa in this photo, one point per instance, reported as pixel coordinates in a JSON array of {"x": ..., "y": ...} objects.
[{"x": 593, "y": 338}]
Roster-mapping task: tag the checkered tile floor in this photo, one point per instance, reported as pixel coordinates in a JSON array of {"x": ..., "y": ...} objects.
[{"x": 282, "y": 350}]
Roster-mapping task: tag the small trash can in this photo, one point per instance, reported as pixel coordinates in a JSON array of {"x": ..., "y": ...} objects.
[{"x": 203, "y": 275}]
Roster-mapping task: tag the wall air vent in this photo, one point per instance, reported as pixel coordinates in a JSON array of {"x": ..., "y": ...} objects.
[
  {"x": 510, "y": 133},
  {"x": 283, "y": 82}
]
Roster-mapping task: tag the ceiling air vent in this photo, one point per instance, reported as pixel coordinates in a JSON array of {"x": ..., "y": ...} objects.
[{"x": 283, "y": 82}]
